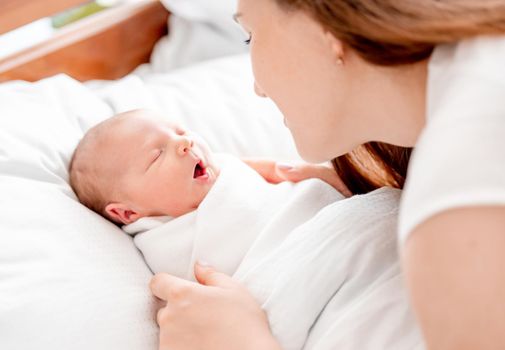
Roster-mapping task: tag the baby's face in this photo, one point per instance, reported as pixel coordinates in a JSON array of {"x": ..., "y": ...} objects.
[{"x": 162, "y": 168}]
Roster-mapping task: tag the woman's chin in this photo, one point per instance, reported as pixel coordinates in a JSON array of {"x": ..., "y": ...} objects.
[{"x": 311, "y": 156}]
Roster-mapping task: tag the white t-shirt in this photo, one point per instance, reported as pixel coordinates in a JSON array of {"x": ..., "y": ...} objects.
[{"x": 459, "y": 159}]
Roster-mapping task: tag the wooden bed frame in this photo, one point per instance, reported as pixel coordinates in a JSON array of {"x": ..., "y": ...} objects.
[{"x": 107, "y": 45}]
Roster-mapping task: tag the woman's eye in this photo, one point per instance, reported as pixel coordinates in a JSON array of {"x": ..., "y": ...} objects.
[{"x": 248, "y": 41}]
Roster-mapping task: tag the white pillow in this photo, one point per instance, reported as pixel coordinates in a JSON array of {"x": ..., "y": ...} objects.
[
  {"x": 199, "y": 30},
  {"x": 215, "y": 99},
  {"x": 70, "y": 279}
]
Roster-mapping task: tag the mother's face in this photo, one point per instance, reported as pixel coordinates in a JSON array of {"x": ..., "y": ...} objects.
[{"x": 296, "y": 64}]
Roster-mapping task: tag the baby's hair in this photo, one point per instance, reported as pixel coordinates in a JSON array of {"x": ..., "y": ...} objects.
[
  {"x": 85, "y": 177},
  {"x": 90, "y": 182},
  {"x": 93, "y": 179}
]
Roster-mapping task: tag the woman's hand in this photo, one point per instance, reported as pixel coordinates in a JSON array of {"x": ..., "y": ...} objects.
[
  {"x": 275, "y": 172},
  {"x": 215, "y": 313}
]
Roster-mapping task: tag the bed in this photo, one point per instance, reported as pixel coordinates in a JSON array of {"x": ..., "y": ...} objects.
[{"x": 69, "y": 278}]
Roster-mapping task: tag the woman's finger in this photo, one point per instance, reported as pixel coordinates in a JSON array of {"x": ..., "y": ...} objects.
[
  {"x": 209, "y": 316},
  {"x": 208, "y": 276},
  {"x": 266, "y": 168},
  {"x": 300, "y": 172},
  {"x": 167, "y": 287}
]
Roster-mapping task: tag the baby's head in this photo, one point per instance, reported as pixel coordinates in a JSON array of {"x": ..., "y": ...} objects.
[{"x": 135, "y": 165}]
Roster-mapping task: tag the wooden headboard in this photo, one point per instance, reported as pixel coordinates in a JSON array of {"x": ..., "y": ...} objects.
[{"x": 107, "y": 45}]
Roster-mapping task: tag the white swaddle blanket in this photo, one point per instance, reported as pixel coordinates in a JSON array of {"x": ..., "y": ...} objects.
[
  {"x": 324, "y": 268},
  {"x": 239, "y": 206}
]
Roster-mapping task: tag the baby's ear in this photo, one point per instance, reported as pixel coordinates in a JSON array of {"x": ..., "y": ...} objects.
[{"x": 121, "y": 213}]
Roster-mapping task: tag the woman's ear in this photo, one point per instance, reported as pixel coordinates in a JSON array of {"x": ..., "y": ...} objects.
[
  {"x": 336, "y": 47},
  {"x": 121, "y": 213}
]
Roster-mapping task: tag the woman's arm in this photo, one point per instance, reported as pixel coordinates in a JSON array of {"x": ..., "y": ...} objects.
[
  {"x": 215, "y": 314},
  {"x": 455, "y": 270}
]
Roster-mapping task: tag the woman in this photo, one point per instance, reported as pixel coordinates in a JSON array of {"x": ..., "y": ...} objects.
[{"x": 424, "y": 74}]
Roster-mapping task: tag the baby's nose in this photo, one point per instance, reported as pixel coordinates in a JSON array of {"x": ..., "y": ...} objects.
[{"x": 184, "y": 145}]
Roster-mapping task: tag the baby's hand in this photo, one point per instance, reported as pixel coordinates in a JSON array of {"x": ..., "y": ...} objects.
[{"x": 276, "y": 172}]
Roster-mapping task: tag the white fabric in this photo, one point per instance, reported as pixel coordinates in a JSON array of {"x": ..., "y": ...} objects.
[
  {"x": 335, "y": 281},
  {"x": 239, "y": 206},
  {"x": 191, "y": 42},
  {"x": 70, "y": 279},
  {"x": 459, "y": 159},
  {"x": 325, "y": 269},
  {"x": 199, "y": 30}
]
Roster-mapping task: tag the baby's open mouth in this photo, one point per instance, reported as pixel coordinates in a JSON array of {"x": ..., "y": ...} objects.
[{"x": 200, "y": 171}]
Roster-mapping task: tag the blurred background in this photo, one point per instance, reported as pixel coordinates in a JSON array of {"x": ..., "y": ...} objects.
[
  {"x": 42, "y": 29},
  {"x": 199, "y": 30}
]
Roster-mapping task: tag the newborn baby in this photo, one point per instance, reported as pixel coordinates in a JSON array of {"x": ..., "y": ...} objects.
[
  {"x": 181, "y": 201},
  {"x": 134, "y": 165}
]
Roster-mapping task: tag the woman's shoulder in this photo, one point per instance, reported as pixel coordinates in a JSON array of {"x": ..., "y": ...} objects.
[
  {"x": 465, "y": 77},
  {"x": 459, "y": 160}
]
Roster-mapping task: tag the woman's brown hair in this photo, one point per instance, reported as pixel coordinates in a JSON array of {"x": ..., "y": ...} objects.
[{"x": 389, "y": 33}]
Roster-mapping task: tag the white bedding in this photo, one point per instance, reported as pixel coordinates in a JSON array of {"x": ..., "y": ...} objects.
[{"x": 69, "y": 279}]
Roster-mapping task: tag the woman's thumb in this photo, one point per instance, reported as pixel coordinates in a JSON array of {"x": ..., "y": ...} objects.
[{"x": 208, "y": 276}]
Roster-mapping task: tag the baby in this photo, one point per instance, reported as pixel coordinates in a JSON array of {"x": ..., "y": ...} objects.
[
  {"x": 181, "y": 201},
  {"x": 135, "y": 165}
]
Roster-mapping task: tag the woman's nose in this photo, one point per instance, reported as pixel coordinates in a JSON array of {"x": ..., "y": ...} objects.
[
  {"x": 258, "y": 90},
  {"x": 184, "y": 145}
]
